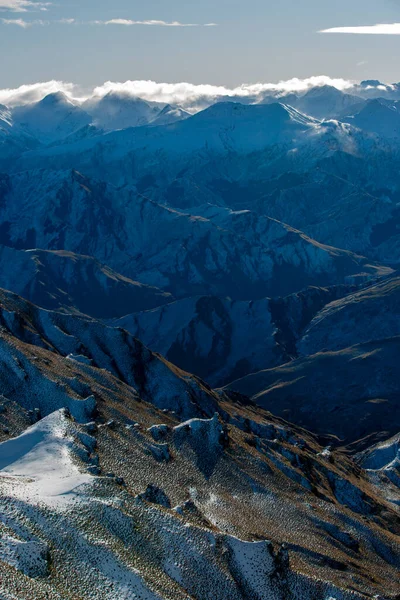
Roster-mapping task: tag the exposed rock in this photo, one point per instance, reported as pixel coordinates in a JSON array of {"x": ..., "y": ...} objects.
[{"x": 155, "y": 495}]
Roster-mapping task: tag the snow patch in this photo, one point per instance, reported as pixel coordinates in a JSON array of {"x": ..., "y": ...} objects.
[{"x": 39, "y": 463}]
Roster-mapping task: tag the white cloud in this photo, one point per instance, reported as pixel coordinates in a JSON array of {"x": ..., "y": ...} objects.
[
  {"x": 34, "y": 92},
  {"x": 192, "y": 97},
  {"x": 379, "y": 29},
  {"x": 125, "y": 22},
  {"x": 195, "y": 96},
  {"x": 26, "y": 24},
  {"x": 22, "y": 23},
  {"x": 22, "y": 5},
  {"x": 156, "y": 23}
]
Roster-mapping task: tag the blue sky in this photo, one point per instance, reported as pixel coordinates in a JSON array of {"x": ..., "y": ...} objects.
[{"x": 253, "y": 40}]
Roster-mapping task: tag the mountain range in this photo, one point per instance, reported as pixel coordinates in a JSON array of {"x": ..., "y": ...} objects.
[{"x": 199, "y": 346}]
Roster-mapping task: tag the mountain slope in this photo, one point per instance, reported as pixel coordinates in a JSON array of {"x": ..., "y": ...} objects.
[
  {"x": 86, "y": 342},
  {"x": 272, "y": 238},
  {"x": 91, "y": 523},
  {"x": 230, "y": 254},
  {"x": 361, "y": 317},
  {"x": 218, "y": 339},
  {"x": 348, "y": 395},
  {"x": 60, "y": 280}
]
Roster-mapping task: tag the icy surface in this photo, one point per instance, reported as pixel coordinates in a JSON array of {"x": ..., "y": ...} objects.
[{"x": 41, "y": 458}]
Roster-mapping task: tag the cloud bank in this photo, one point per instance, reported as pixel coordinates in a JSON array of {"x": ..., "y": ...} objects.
[
  {"x": 379, "y": 29},
  {"x": 193, "y": 96},
  {"x": 190, "y": 96}
]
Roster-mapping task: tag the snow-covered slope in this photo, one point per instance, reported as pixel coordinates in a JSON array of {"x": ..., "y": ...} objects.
[
  {"x": 224, "y": 127},
  {"x": 5, "y": 120},
  {"x": 51, "y": 119},
  {"x": 169, "y": 114},
  {"x": 385, "y": 455},
  {"x": 41, "y": 458},
  {"x": 377, "y": 117},
  {"x": 382, "y": 462},
  {"x": 325, "y": 102},
  {"x": 106, "y": 530},
  {"x": 14, "y": 141},
  {"x": 119, "y": 111}
]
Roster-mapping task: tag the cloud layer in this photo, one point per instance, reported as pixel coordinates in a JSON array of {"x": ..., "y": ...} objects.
[
  {"x": 190, "y": 96},
  {"x": 156, "y": 23},
  {"x": 193, "y": 96},
  {"x": 379, "y": 29}
]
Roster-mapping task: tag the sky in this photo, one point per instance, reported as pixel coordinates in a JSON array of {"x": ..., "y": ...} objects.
[{"x": 218, "y": 42}]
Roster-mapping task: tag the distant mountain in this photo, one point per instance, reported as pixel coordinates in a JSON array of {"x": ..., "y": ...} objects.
[
  {"x": 162, "y": 153},
  {"x": 236, "y": 254},
  {"x": 377, "y": 117},
  {"x": 170, "y": 114},
  {"x": 13, "y": 140},
  {"x": 290, "y": 99},
  {"x": 224, "y": 127},
  {"x": 271, "y": 159},
  {"x": 245, "y": 127},
  {"x": 120, "y": 111},
  {"x": 84, "y": 133},
  {"x": 51, "y": 119},
  {"x": 325, "y": 102},
  {"x": 373, "y": 88}
]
